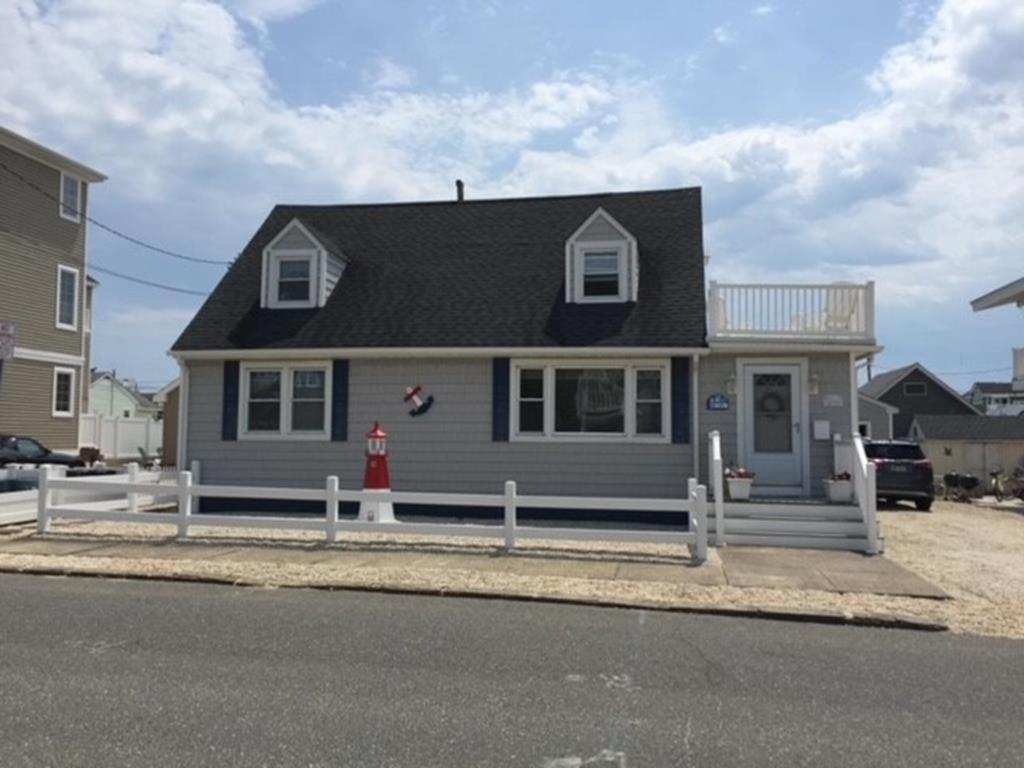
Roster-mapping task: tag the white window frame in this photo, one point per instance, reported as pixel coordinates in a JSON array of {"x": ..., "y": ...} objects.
[
  {"x": 549, "y": 366},
  {"x": 580, "y": 251},
  {"x": 74, "y": 323},
  {"x": 867, "y": 431},
  {"x": 275, "y": 257},
  {"x": 57, "y": 371},
  {"x": 75, "y": 215},
  {"x": 284, "y": 430}
]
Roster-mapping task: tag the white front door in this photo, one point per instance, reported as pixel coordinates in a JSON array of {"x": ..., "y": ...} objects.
[{"x": 772, "y": 439}]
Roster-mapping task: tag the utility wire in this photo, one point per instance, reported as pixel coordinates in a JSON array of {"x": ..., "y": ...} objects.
[
  {"x": 111, "y": 230},
  {"x": 150, "y": 283}
]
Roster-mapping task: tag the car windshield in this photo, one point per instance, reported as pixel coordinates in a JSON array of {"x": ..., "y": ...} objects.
[{"x": 905, "y": 451}]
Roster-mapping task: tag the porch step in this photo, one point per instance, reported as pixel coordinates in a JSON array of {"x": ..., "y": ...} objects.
[
  {"x": 800, "y": 523},
  {"x": 848, "y": 543},
  {"x": 792, "y": 511},
  {"x": 764, "y": 526}
]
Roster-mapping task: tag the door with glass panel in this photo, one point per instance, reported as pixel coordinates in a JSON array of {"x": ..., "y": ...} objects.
[{"x": 772, "y": 435}]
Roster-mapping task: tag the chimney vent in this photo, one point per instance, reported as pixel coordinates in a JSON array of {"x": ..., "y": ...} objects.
[{"x": 460, "y": 190}]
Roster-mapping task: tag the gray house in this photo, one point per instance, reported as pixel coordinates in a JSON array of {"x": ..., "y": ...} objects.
[
  {"x": 45, "y": 292},
  {"x": 564, "y": 342},
  {"x": 914, "y": 390}
]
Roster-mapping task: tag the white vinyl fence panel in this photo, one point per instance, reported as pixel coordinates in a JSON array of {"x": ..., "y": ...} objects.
[{"x": 120, "y": 438}]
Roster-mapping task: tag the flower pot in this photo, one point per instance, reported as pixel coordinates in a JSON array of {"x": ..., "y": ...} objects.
[
  {"x": 839, "y": 491},
  {"x": 739, "y": 487}
]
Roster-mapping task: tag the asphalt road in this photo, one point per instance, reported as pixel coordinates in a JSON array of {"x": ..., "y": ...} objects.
[{"x": 113, "y": 673}]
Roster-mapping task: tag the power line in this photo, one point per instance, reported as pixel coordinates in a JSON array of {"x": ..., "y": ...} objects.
[
  {"x": 111, "y": 230},
  {"x": 150, "y": 283}
]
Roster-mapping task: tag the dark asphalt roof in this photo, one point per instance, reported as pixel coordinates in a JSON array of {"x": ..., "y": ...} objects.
[
  {"x": 469, "y": 274},
  {"x": 992, "y": 387},
  {"x": 881, "y": 383},
  {"x": 970, "y": 427}
]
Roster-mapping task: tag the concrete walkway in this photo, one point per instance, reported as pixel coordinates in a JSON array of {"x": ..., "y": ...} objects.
[{"x": 744, "y": 567}]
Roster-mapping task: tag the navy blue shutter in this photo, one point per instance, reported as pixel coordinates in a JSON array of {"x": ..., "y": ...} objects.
[
  {"x": 229, "y": 411},
  {"x": 500, "y": 402},
  {"x": 681, "y": 401},
  {"x": 339, "y": 401}
]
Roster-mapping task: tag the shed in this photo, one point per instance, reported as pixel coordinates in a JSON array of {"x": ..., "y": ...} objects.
[{"x": 975, "y": 444}]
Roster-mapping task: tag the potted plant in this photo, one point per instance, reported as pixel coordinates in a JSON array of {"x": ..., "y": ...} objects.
[
  {"x": 739, "y": 481},
  {"x": 839, "y": 488}
]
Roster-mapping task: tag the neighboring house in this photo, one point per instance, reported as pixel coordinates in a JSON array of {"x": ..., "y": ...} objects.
[
  {"x": 46, "y": 295},
  {"x": 876, "y": 418},
  {"x": 167, "y": 398},
  {"x": 913, "y": 390},
  {"x": 1007, "y": 295},
  {"x": 562, "y": 342},
  {"x": 975, "y": 444},
  {"x": 116, "y": 398},
  {"x": 996, "y": 398}
]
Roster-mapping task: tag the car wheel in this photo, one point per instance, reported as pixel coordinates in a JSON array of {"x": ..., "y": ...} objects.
[{"x": 923, "y": 505}]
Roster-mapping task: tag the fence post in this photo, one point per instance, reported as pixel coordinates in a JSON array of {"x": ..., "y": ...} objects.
[
  {"x": 510, "y": 515},
  {"x": 43, "y": 514},
  {"x": 133, "y": 477},
  {"x": 700, "y": 499},
  {"x": 332, "y": 508},
  {"x": 193, "y": 467},
  {"x": 184, "y": 502},
  {"x": 871, "y": 515}
]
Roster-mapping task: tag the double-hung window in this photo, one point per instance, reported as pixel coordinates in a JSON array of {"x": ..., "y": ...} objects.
[
  {"x": 286, "y": 401},
  {"x": 600, "y": 271},
  {"x": 590, "y": 401},
  {"x": 67, "y": 298},
  {"x": 70, "y": 197},
  {"x": 63, "y": 392},
  {"x": 294, "y": 280}
]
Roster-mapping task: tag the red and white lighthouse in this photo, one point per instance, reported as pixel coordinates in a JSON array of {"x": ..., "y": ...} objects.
[{"x": 376, "y": 478}]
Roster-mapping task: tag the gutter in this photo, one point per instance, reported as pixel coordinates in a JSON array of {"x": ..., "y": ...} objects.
[{"x": 320, "y": 353}]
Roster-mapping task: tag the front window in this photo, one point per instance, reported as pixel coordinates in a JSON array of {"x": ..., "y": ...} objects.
[
  {"x": 67, "y": 298},
  {"x": 286, "y": 401},
  {"x": 63, "y": 392},
  {"x": 293, "y": 280},
  {"x": 600, "y": 273},
  {"x": 590, "y": 401},
  {"x": 70, "y": 197}
]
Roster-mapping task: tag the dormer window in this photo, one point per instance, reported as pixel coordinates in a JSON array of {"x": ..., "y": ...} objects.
[
  {"x": 601, "y": 262},
  {"x": 299, "y": 272}
]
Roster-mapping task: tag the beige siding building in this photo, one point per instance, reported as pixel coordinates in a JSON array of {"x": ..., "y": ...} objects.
[{"x": 45, "y": 292}]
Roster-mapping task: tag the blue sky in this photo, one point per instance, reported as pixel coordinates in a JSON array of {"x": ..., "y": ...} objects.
[{"x": 834, "y": 141}]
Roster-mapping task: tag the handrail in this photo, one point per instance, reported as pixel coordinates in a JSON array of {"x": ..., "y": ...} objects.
[
  {"x": 715, "y": 471},
  {"x": 865, "y": 489}
]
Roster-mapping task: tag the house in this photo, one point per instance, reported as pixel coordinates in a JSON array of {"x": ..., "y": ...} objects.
[
  {"x": 112, "y": 397},
  {"x": 564, "y": 342},
  {"x": 46, "y": 295},
  {"x": 997, "y": 398},
  {"x": 1004, "y": 296},
  {"x": 913, "y": 390},
  {"x": 971, "y": 443},
  {"x": 875, "y": 418}
]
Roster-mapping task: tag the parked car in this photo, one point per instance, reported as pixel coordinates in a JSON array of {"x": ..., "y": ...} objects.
[
  {"x": 17, "y": 449},
  {"x": 902, "y": 472}
]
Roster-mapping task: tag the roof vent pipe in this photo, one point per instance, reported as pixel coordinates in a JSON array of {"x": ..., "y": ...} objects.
[{"x": 460, "y": 190}]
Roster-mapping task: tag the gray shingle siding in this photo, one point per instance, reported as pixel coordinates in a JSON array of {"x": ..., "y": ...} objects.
[
  {"x": 449, "y": 449},
  {"x": 877, "y": 417}
]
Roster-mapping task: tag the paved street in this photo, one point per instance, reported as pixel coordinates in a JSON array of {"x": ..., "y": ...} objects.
[{"x": 109, "y": 673}]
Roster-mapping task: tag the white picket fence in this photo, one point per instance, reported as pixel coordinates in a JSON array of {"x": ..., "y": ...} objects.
[
  {"x": 185, "y": 491},
  {"x": 120, "y": 438}
]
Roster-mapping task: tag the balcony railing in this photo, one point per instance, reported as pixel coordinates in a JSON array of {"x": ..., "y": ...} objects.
[{"x": 839, "y": 312}]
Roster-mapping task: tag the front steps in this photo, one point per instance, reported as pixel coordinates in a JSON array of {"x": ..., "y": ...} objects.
[{"x": 799, "y": 523}]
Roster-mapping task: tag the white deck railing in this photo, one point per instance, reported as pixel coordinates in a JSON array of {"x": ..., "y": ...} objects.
[
  {"x": 865, "y": 490},
  {"x": 185, "y": 492},
  {"x": 716, "y": 478},
  {"x": 752, "y": 311}
]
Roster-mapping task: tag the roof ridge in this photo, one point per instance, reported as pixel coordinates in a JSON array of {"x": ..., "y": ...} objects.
[{"x": 484, "y": 200}]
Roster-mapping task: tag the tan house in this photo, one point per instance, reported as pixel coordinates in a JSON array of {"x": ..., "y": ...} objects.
[
  {"x": 45, "y": 291},
  {"x": 975, "y": 444}
]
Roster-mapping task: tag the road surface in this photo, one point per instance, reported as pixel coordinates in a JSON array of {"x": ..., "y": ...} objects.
[{"x": 115, "y": 673}]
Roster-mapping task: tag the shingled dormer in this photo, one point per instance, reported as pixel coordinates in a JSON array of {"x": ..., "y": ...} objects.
[
  {"x": 601, "y": 264},
  {"x": 300, "y": 270}
]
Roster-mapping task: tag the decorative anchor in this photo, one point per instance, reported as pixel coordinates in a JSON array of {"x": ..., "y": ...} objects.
[{"x": 420, "y": 406}]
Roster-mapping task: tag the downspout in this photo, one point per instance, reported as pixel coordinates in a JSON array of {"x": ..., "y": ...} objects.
[
  {"x": 183, "y": 397},
  {"x": 695, "y": 421}
]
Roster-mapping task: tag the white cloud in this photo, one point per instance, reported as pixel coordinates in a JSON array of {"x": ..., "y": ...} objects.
[
  {"x": 723, "y": 34},
  {"x": 764, "y": 9},
  {"x": 386, "y": 74},
  {"x": 261, "y": 11}
]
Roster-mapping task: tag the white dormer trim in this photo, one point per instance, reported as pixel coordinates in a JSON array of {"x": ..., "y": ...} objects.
[
  {"x": 626, "y": 249},
  {"x": 272, "y": 258}
]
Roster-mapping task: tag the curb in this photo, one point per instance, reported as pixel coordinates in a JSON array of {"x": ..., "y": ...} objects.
[{"x": 882, "y": 621}]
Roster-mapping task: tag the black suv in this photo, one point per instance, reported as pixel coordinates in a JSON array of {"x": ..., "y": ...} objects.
[{"x": 902, "y": 472}]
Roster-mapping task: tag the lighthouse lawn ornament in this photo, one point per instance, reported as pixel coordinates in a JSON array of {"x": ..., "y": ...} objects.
[{"x": 376, "y": 478}]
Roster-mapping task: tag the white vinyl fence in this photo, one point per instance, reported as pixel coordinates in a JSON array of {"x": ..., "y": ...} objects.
[
  {"x": 184, "y": 490},
  {"x": 120, "y": 438},
  {"x": 715, "y": 473}
]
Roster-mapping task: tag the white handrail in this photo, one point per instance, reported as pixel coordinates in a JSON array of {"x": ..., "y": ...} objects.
[
  {"x": 715, "y": 470},
  {"x": 865, "y": 489}
]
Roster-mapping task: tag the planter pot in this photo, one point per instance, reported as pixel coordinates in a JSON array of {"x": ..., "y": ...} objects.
[
  {"x": 839, "y": 491},
  {"x": 739, "y": 487}
]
